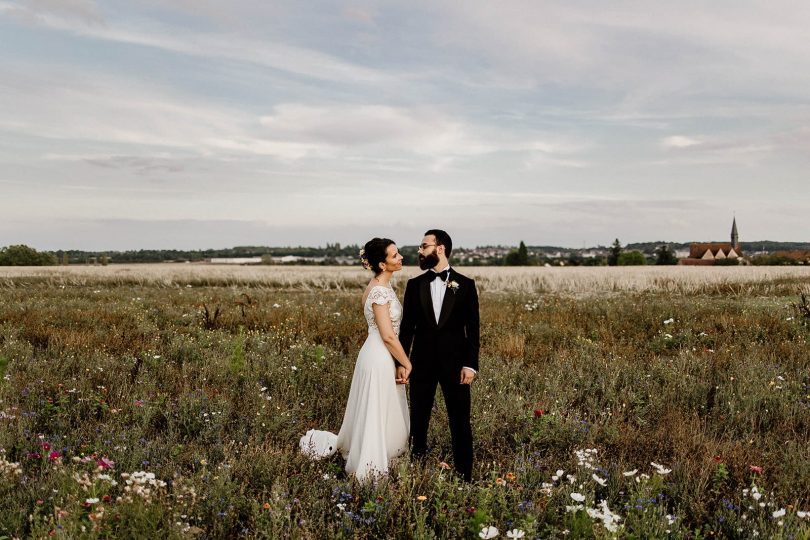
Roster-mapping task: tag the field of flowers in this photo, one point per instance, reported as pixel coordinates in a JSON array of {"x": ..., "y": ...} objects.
[{"x": 167, "y": 401}]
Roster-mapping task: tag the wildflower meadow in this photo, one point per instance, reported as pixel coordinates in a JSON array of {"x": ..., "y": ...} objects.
[{"x": 618, "y": 403}]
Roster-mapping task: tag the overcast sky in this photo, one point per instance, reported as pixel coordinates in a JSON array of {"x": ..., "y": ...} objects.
[{"x": 205, "y": 124}]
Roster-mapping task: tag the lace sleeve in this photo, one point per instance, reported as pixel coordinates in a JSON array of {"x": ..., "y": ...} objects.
[{"x": 379, "y": 295}]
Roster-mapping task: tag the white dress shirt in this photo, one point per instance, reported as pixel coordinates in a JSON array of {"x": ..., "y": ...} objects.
[{"x": 438, "y": 288}]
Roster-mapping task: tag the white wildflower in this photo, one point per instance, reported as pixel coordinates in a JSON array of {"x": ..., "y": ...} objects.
[{"x": 488, "y": 532}]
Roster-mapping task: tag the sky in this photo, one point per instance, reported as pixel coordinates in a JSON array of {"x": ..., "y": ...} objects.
[{"x": 194, "y": 124}]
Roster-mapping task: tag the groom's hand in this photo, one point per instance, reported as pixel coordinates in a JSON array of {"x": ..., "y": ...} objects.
[
  {"x": 467, "y": 376},
  {"x": 402, "y": 375}
]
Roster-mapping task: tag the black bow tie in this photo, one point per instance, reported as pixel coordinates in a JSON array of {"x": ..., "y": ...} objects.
[{"x": 443, "y": 275}]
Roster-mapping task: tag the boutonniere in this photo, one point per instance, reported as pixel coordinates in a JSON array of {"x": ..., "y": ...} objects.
[{"x": 452, "y": 285}]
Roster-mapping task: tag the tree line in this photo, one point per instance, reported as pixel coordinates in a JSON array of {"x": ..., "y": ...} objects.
[{"x": 615, "y": 255}]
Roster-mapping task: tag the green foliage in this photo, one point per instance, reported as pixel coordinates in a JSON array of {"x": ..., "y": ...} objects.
[
  {"x": 664, "y": 255},
  {"x": 237, "y": 360},
  {"x": 632, "y": 258},
  {"x": 615, "y": 253},
  {"x": 22, "y": 255},
  {"x": 775, "y": 259},
  {"x": 518, "y": 257},
  {"x": 726, "y": 262}
]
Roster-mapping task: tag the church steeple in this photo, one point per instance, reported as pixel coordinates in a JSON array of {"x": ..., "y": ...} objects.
[{"x": 735, "y": 238}]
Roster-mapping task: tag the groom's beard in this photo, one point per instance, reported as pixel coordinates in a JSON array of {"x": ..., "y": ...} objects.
[{"x": 428, "y": 261}]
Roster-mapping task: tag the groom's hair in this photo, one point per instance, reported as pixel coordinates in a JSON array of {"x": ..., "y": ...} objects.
[{"x": 442, "y": 239}]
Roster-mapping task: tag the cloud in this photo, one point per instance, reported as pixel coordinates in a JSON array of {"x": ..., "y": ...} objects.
[
  {"x": 141, "y": 165},
  {"x": 668, "y": 60},
  {"x": 224, "y": 46},
  {"x": 85, "y": 12},
  {"x": 679, "y": 141},
  {"x": 422, "y": 131},
  {"x": 357, "y": 14}
]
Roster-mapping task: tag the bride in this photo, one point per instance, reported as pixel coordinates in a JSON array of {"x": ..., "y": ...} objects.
[{"x": 376, "y": 423}]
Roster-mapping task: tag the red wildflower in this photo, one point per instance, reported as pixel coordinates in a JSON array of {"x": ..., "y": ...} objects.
[
  {"x": 46, "y": 446},
  {"x": 53, "y": 456},
  {"x": 106, "y": 498},
  {"x": 718, "y": 459},
  {"x": 539, "y": 412},
  {"x": 755, "y": 469}
]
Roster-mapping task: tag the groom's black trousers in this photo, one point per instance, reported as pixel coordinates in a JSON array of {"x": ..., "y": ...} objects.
[{"x": 457, "y": 400}]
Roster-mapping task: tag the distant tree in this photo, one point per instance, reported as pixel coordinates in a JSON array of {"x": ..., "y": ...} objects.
[
  {"x": 632, "y": 258},
  {"x": 22, "y": 255},
  {"x": 599, "y": 260},
  {"x": 574, "y": 259},
  {"x": 777, "y": 259},
  {"x": 664, "y": 256},
  {"x": 410, "y": 255},
  {"x": 523, "y": 254},
  {"x": 614, "y": 253},
  {"x": 518, "y": 257}
]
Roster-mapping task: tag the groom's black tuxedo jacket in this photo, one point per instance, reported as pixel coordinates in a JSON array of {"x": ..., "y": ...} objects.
[{"x": 445, "y": 347}]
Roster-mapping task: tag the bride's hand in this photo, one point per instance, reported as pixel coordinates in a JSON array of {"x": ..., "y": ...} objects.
[{"x": 403, "y": 372}]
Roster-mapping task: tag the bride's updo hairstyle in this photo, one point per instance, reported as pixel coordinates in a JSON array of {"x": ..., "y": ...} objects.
[{"x": 373, "y": 253}]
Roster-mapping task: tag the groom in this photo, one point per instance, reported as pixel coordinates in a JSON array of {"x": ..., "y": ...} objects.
[{"x": 441, "y": 321}]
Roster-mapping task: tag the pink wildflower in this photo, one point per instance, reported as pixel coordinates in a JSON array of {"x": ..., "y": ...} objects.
[{"x": 105, "y": 463}]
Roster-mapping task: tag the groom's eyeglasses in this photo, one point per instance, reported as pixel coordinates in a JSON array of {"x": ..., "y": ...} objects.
[{"x": 423, "y": 247}]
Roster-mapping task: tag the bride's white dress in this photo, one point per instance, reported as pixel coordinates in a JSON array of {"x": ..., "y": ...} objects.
[{"x": 376, "y": 423}]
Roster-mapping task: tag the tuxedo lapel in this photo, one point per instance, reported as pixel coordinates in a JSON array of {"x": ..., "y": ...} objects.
[
  {"x": 427, "y": 303},
  {"x": 447, "y": 303}
]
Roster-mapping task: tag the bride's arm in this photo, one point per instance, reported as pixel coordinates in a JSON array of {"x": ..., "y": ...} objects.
[{"x": 389, "y": 337}]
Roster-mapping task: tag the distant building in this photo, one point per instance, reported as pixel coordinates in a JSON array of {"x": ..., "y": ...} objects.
[
  {"x": 709, "y": 253},
  {"x": 236, "y": 260},
  {"x": 681, "y": 253},
  {"x": 293, "y": 259}
]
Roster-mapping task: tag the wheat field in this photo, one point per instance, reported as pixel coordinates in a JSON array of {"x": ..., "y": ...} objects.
[{"x": 530, "y": 280}]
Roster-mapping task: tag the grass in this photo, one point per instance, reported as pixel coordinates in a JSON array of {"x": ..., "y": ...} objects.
[{"x": 207, "y": 382}]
